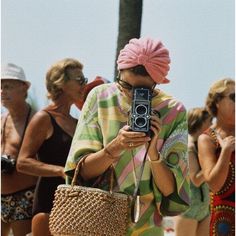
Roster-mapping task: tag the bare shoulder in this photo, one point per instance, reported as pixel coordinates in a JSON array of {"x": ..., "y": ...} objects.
[
  {"x": 41, "y": 119},
  {"x": 204, "y": 138},
  {"x": 40, "y": 126},
  {"x": 206, "y": 147}
]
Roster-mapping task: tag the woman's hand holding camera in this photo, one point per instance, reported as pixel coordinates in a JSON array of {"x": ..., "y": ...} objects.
[
  {"x": 156, "y": 125},
  {"x": 127, "y": 140},
  {"x": 132, "y": 139}
]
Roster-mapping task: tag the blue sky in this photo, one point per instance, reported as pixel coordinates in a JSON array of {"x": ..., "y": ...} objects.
[{"x": 199, "y": 35}]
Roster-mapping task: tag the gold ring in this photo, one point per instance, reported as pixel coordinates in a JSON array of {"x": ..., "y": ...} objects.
[{"x": 131, "y": 144}]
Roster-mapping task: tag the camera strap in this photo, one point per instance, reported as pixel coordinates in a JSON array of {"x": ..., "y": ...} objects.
[
  {"x": 135, "y": 205},
  {"x": 25, "y": 125}
]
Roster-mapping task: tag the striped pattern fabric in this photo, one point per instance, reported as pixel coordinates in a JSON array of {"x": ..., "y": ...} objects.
[{"x": 104, "y": 113}]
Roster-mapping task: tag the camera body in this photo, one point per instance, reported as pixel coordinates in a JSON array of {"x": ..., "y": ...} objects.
[
  {"x": 8, "y": 164},
  {"x": 140, "y": 114}
]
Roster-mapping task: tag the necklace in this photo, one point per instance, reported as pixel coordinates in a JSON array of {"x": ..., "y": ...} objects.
[{"x": 221, "y": 133}]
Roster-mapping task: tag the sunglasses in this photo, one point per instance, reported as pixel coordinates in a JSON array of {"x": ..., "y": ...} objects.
[
  {"x": 231, "y": 96},
  {"x": 82, "y": 80},
  {"x": 69, "y": 75},
  {"x": 126, "y": 85}
]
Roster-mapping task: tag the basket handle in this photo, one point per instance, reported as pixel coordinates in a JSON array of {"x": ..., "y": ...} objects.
[
  {"x": 136, "y": 190},
  {"x": 77, "y": 170}
]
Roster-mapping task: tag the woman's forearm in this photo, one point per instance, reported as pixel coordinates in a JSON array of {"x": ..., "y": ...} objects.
[
  {"x": 197, "y": 178},
  {"x": 163, "y": 176},
  {"x": 96, "y": 164},
  {"x": 217, "y": 176},
  {"x": 34, "y": 167}
]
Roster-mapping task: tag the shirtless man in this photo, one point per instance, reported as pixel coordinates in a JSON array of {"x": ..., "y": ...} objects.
[{"x": 17, "y": 189}]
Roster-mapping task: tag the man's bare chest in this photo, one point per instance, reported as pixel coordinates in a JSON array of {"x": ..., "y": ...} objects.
[{"x": 11, "y": 138}]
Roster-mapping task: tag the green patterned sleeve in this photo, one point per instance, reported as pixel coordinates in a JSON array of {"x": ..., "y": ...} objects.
[{"x": 174, "y": 154}]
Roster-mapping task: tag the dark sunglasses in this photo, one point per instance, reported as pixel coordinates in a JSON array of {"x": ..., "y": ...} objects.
[
  {"x": 82, "y": 80},
  {"x": 231, "y": 96},
  {"x": 128, "y": 86},
  {"x": 124, "y": 84}
]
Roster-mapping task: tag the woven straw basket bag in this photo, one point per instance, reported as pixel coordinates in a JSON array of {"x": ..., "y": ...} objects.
[{"x": 85, "y": 211}]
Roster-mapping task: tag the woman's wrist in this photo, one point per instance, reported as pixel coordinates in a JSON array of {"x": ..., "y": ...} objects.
[
  {"x": 109, "y": 154},
  {"x": 156, "y": 160},
  {"x": 60, "y": 171}
]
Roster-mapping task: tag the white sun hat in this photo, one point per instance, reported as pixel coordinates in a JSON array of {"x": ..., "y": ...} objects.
[{"x": 12, "y": 71}]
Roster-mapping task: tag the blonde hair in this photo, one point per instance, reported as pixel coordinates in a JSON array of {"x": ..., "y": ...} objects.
[
  {"x": 59, "y": 73},
  {"x": 216, "y": 93},
  {"x": 196, "y": 117}
]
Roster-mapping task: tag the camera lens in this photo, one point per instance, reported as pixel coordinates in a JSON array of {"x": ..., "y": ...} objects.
[
  {"x": 140, "y": 122},
  {"x": 141, "y": 109}
]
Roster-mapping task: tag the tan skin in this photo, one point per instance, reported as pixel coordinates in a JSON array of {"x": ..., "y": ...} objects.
[
  {"x": 39, "y": 130},
  {"x": 195, "y": 172},
  {"x": 186, "y": 226},
  {"x": 95, "y": 164},
  {"x": 225, "y": 128},
  {"x": 13, "y": 95}
]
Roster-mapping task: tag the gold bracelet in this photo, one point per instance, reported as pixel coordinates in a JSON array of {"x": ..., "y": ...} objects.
[
  {"x": 156, "y": 161},
  {"x": 110, "y": 156},
  {"x": 159, "y": 160}
]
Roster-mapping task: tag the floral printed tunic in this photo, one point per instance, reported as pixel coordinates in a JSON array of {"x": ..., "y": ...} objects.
[{"x": 104, "y": 114}]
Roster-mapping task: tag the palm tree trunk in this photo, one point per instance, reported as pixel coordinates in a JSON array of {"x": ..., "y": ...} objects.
[{"x": 130, "y": 16}]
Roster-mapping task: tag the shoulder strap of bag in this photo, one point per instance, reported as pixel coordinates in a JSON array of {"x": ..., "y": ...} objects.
[{"x": 77, "y": 170}]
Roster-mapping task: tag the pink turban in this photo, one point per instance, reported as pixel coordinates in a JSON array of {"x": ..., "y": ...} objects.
[{"x": 147, "y": 52}]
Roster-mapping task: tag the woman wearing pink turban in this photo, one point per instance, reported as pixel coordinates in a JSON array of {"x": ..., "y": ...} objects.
[{"x": 103, "y": 138}]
